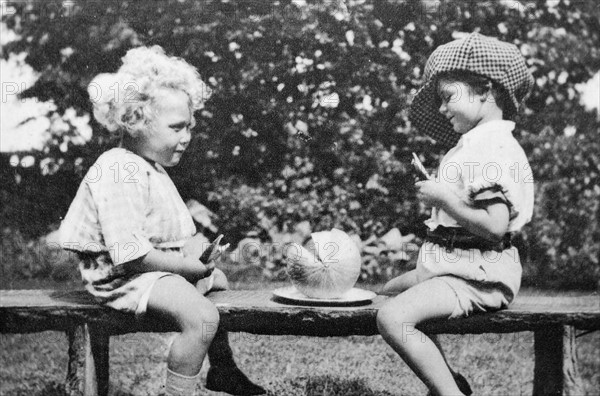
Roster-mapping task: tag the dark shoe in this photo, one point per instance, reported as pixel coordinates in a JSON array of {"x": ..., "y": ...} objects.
[
  {"x": 462, "y": 383},
  {"x": 232, "y": 381}
]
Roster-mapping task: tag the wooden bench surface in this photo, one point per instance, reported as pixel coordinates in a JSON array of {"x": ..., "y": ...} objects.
[
  {"x": 259, "y": 312},
  {"x": 89, "y": 327}
]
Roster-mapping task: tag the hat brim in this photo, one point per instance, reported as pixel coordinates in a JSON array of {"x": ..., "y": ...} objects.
[{"x": 425, "y": 116}]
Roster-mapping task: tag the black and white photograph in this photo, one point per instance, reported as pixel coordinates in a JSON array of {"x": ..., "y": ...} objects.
[{"x": 300, "y": 197}]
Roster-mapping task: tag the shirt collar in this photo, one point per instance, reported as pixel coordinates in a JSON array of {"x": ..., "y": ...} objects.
[
  {"x": 501, "y": 129},
  {"x": 150, "y": 162}
]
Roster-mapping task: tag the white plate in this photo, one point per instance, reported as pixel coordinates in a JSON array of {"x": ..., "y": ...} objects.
[{"x": 352, "y": 296}]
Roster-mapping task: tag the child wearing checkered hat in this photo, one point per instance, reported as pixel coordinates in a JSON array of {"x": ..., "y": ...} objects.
[
  {"x": 481, "y": 195},
  {"x": 133, "y": 232}
]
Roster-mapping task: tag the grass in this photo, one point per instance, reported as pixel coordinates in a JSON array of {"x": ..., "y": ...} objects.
[{"x": 495, "y": 364}]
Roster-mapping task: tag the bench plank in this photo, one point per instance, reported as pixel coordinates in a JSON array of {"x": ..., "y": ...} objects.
[
  {"x": 258, "y": 312},
  {"x": 89, "y": 327}
]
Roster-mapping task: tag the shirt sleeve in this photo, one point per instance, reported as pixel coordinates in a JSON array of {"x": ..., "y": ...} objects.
[
  {"x": 489, "y": 180},
  {"x": 121, "y": 196},
  {"x": 493, "y": 194}
]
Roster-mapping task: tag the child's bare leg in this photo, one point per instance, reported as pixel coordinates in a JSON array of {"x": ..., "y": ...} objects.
[
  {"x": 397, "y": 319},
  {"x": 400, "y": 283},
  {"x": 224, "y": 375},
  {"x": 403, "y": 283},
  {"x": 197, "y": 318},
  {"x": 435, "y": 339},
  {"x": 461, "y": 381}
]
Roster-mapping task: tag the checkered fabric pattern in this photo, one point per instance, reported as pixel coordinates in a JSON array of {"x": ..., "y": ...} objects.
[
  {"x": 124, "y": 207},
  {"x": 497, "y": 60}
]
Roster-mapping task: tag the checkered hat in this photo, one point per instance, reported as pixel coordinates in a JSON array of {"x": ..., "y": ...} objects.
[{"x": 497, "y": 60}]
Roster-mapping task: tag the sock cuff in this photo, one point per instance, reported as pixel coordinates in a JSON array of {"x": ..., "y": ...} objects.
[
  {"x": 180, "y": 385},
  {"x": 177, "y": 375}
]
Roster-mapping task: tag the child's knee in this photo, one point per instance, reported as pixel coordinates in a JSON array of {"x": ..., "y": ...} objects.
[
  {"x": 209, "y": 325},
  {"x": 386, "y": 319},
  {"x": 396, "y": 313},
  {"x": 201, "y": 318},
  {"x": 396, "y": 325},
  {"x": 209, "y": 314}
]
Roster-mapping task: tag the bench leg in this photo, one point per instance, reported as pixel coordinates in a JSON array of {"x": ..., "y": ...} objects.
[
  {"x": 87, "y": 373},
  {"x": 555, "y": 371}
]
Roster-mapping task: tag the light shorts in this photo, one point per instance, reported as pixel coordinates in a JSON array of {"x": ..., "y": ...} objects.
[
  {"x": 129, "y": 293},
  {"x": 482, "y": 281},
  {"x": 473, "y": 296},
  {"x": 142, "y": 306}
]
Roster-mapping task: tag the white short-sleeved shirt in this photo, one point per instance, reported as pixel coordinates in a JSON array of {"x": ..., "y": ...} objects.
[
  {"x": 485, "y": 161},
  {"x": 124, "y": 207}
]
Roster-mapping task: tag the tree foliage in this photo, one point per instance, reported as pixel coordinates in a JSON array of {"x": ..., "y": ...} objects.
[{"x": 308, "y": 120}]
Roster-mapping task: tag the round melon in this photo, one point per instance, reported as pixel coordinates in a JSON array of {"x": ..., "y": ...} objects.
[{"x": 329, "y": 273}]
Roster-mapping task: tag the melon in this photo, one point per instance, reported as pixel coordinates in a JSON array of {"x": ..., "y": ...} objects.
[{"x": 328, "y": 272}]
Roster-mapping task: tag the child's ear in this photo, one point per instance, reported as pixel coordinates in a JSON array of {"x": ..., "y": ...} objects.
[
  {"x": 138, "y": 115},
  {"x": 135, "y": 118},
  {"x": 488, "y": 92}
]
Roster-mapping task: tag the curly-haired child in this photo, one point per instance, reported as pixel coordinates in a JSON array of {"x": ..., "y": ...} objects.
[{"x": 133, "y": 232}]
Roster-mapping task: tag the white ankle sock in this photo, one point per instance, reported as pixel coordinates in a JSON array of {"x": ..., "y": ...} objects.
[{"x": 180, "y": 385}]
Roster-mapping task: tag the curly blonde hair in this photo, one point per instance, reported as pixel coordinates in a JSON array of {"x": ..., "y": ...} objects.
[{"x": 120, "y": 98}]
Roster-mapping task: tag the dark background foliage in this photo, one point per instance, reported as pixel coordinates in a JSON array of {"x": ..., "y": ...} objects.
[{"x": 272, "y": 65}]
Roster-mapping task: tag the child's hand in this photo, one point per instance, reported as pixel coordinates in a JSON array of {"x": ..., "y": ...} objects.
[
  {"x": 218, "y": 252},
  {"x": 204, "y": 255},
  {"x": 199, "y": 247},
  {"x": 432, "y": 193},
  {"x": 213, "y": 251},
  {"x": 193, "y": 270},
  {"x": 210, "y": 267},
  {"x": 195, "y": 246}
]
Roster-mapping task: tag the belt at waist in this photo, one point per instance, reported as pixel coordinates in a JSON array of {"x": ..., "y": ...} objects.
[{"x": 459, "y": 238}]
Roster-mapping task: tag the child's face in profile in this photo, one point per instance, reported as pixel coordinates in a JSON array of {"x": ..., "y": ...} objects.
[
  {"x": 460, "y": 105},
  {"x": 170, "y": 132}
]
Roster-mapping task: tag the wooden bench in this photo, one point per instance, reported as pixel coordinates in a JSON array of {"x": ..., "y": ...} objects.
[{"x": 89, "y": 327}]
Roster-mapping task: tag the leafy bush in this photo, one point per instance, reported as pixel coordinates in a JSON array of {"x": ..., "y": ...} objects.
[
  {"x": 308, "y": 121},
  {"x": 274, "y": 221},
  {"x": 564, "y": 248},
  {"x": 23, "y": 259}
]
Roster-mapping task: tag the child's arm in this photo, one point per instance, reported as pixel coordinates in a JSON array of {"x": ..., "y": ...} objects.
[
  {"x": 190, "y": 268},
  {"x": 489, "y": 222}
]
